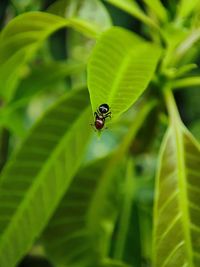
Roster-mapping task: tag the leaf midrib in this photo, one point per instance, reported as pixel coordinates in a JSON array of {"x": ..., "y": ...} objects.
[
  {"x": 182, "y": 181},
  {"x": 121, "y": 70}
]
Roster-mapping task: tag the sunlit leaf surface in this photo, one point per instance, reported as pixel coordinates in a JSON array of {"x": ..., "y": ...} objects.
[
  {"x": 186, "y": 7},
  {"x": 120, "y": 68},
  {"x": 157, "y": 7}
]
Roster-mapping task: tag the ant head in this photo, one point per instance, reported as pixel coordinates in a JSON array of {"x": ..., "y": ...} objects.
[{"x": 104, "y": 108}]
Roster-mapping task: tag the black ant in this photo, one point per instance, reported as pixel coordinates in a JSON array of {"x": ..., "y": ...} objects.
[{"x": 100, "y": 115}]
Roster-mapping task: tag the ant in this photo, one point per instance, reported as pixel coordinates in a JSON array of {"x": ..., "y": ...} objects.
[{"x": 100, "y": 115}]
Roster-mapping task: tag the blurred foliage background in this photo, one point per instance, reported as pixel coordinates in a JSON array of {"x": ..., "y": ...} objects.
[
  {"x": 63, "y": 45},
  {"x": 35, "y": 97}
]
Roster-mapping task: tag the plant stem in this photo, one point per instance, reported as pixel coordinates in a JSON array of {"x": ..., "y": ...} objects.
[
  {"x": 171, "y": 106},
  {"x": 186, "y": 45},
  {"x": 186, "y": 82}
]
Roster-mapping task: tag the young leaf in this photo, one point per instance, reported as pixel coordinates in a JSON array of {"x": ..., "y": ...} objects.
[
  {"x": 186, "y": 82},
  {"x": 186, "y": 44},
  {"x": 21, "y": 38},
  {"x": 157, "y": 7},
  {"x": 131, "y": 7},
  {"x": 79, "y": 232},
  {"x": 173, "y": 73},
  {"x": 120, "y": 68},
  {"x": 185, "y": 8},
  {"x": 34, "y": 181},
  {"x": 177, "y": 204}
]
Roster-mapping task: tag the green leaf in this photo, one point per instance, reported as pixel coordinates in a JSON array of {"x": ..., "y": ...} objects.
[
  {"x": 195, "y": 129},
  {"x": 173, "y": 73},
  {"x": 67, "y": 238},
  {"x": 131, "y": 7},
  {"x": 20, "y": 40},
  {"x": 42, "y": 78},
  {"x": 112, "y": 263},
  {"x": 13, "y": 122},
  {"x": 120, "y": 68},
  {"x": 185, "y": 8},
  {"x": 35, "y": 180},
  {"x": 10, "y": 73},
  {"x": 92, "y": 11},
  {"x": 186, "y": 68},
  {"x": 157, "y": 7},
  {"x": 79, "y": 232},
  {"x": 186, "y": 82},
  {"x": 177, "y": 204},
  {"x": 125, "y": 213},
  {"x": 186, "y": 45}
]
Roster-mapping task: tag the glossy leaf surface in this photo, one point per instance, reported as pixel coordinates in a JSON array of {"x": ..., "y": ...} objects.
[
  {"x": 37, "y": 177},
  {"x": 177, "y": 207},
  {"x": 120, "y": 68}
]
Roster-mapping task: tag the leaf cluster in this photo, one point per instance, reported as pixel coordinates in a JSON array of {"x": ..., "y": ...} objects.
[{"x": 78, "y": 199}]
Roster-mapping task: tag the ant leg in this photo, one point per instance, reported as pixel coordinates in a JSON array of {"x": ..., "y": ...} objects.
[
  {"x": 108, "y": 115},
  {"x": 96, "y": 114},
  {"x": 93, "y": 126}
]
